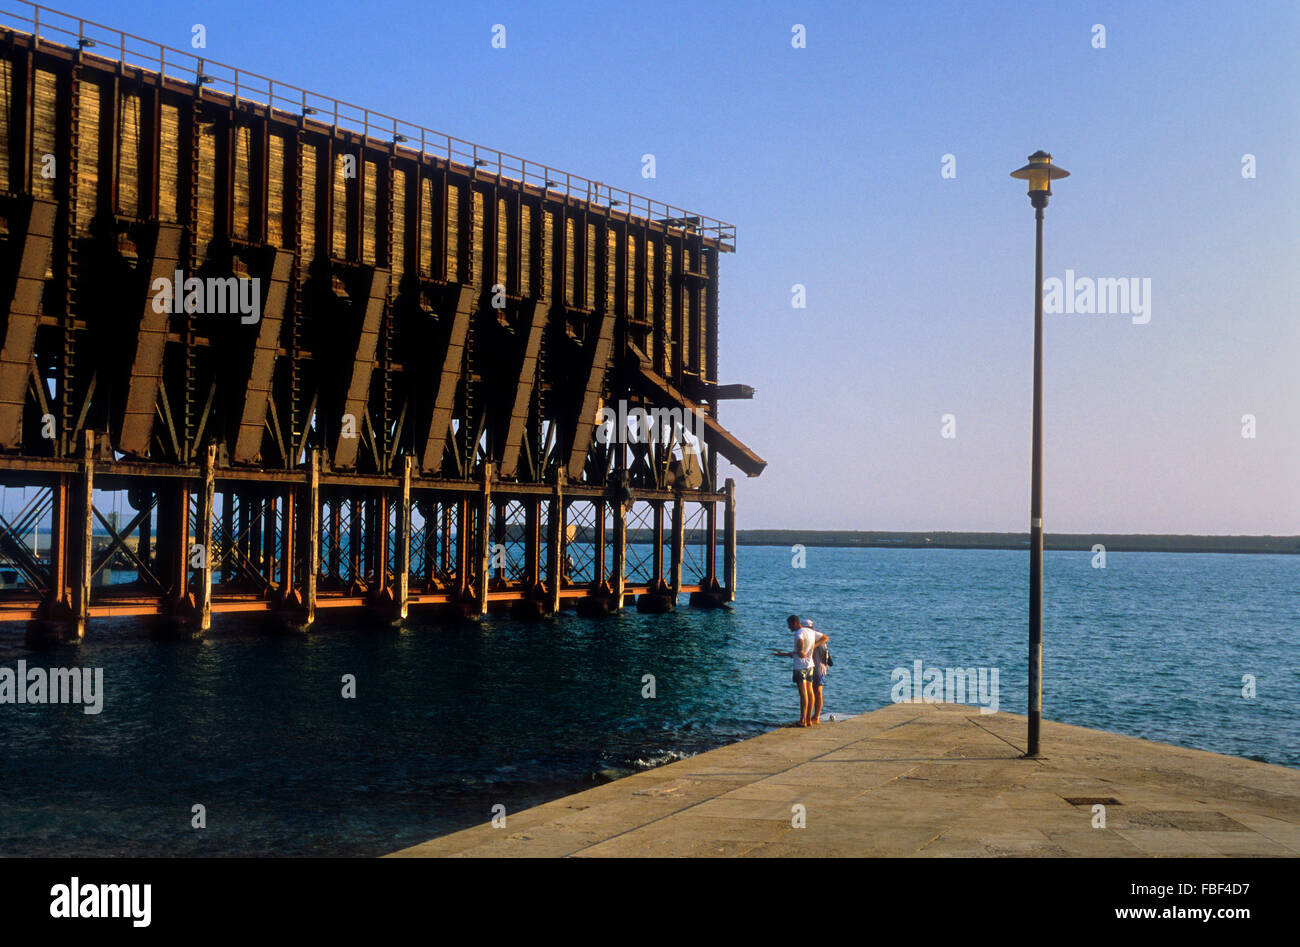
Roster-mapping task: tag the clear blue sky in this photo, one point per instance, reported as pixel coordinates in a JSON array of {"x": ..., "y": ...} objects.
[{"x": 919, "y": 288}]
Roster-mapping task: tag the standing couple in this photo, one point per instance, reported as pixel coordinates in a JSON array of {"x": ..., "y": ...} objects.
[{"x": 811, "y": 660}]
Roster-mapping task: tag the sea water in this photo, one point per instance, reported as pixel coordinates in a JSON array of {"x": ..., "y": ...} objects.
[{"x": 447, "y": 722}]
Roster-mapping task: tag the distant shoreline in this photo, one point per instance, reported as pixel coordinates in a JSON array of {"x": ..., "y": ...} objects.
[{"x": 1076, "y": 542}]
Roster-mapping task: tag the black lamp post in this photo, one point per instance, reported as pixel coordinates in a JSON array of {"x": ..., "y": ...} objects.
[{"x": 1040, "y": 173}]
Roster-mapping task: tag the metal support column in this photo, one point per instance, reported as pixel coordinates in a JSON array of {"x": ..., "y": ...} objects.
[
  {"x": 555, "y": 541},
  {"x": 658, "y": 507},
  {"x": 204, "y": 537},
  {"x": 532, "y": 543},
  {"x": 81, "y": 547},
  {"x": 678, "y": 541},
  {"x": 288, "y": 564},
  {"x": 620, "y": 553},
  {"x": 61, "y": 519},
  {"x": 313, "y": 538},
  {"x": 484, "y": 543},
  {"x": 378, "y": 533},
  {"x": 729, "y": 553},
  {"x": 268, "y": 540},
  {"x": 174, "y": 544},
  {"x": 462, "y": 547},
  {"x": 354, "y": 543},
  {"x": 710, "y": 545},
  {"x": 598, "y": 575},
  {"x": 1036, "y": 508},
  {"x": 403, "y": 591}
]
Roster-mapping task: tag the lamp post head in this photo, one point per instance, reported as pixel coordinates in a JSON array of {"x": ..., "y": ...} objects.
[{"x": 1040, "y": 173}]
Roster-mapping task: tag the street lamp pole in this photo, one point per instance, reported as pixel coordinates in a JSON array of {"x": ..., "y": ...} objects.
[
  {"x": 1036, "y": 507},
  {"x": 1040, "y": 172}
]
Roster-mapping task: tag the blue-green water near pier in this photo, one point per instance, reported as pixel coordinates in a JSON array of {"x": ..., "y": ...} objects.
[{"x": 449, "y": 721}]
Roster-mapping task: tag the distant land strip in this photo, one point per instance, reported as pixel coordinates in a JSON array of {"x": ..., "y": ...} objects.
[{"x": 1083, "y": 542}]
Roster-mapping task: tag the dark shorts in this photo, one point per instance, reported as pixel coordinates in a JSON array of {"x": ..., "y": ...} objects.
[
  {"x": 801, "y": 675},
  {"x": 818, "y": 679}
]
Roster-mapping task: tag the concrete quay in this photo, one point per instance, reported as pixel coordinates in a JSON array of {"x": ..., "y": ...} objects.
[{"x": 930, "y": 780}]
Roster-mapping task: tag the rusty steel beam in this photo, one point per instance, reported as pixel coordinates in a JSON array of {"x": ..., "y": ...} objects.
[
  {"x": 725, "y": 392},
  {"x": 510, "y": 452},
  {"x": 363, "y": 366},
  {"x": 585, "y": 422},
  {"x": 715, "y": 435},
  {"x": 261, "y": 374},
  {"x": 151, "y": 340},
  {"x": 24, "y": 316},
  {"x": 444, "y": 395}
]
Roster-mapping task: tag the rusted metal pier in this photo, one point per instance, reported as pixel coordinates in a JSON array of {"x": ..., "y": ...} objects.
[{"x": 312, "y": 356}]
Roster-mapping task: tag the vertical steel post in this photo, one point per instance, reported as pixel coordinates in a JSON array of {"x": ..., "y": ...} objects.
[
  {"x": 204, "y": 537},
  {"x": 620, "y": 552},
  {"x": 288, "y": 561},
  {"x": 484, "y": 544},
  {"x": 532, "y": 543},
  {"x": 269, "y": 548},
  {"x": 403, "y": 596},
  {"x": 378, "y": 529},
  {"x": 82, "y": 551},
  {"x": 179, "y": 544},
  {"x": 555, "y": 543},
  {"x": 657, "y": 506},
  {"x": 1036, "y": 507},
  {"x": 598, "y": 574},
  {"x": 462, "y": 546},
  {"x": 729, "y": 552},
  {"x": 313, "y": 537},
  {"x": 678, "y": 541},
  {"x": 60, "y": 519},
  {"x": 710, "y": 545}
]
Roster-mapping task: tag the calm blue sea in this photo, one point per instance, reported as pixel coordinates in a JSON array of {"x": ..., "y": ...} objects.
[{"x": 449, "y": 721}]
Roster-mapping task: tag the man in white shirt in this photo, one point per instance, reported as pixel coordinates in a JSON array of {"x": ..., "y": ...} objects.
[{"x": 806, "y": 639}]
